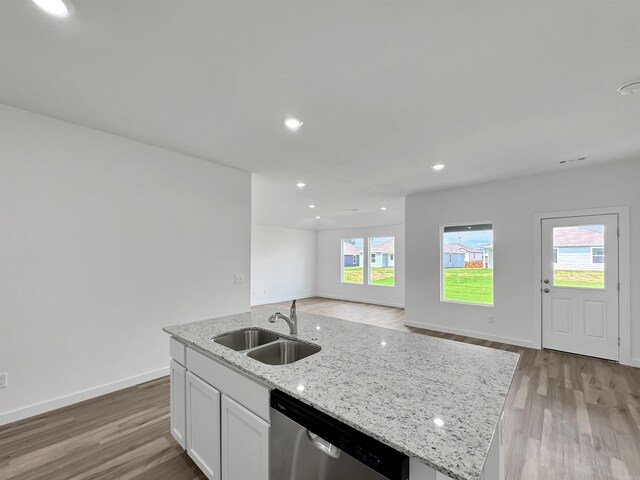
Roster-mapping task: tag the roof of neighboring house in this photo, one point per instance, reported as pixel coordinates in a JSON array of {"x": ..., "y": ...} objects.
[
  {"x": 459, "y": 248},
  {"x": 351, "y": 249},
  {"x": 384, "y": 247},
  {"x": 488, "y": 246},
  {"x": 576, "y": 237}
]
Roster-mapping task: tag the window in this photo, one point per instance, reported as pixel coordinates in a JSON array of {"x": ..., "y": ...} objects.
[
  {"x": 382, "y": 263},
  {"x": 467, "y": 264},
  {"x": 581, "y": 265},
  {"x": 597, "y": 255},
  {"x": 555, "y": 255},
  {"x": 351, "y": 261}
]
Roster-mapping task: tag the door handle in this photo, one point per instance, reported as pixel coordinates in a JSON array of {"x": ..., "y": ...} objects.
[
  {"x": 546, "y": 290},
  {"x": 324, "y": 446}
]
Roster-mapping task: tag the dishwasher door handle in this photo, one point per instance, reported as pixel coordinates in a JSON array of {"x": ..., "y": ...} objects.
[{"x": 322, "y": 445}]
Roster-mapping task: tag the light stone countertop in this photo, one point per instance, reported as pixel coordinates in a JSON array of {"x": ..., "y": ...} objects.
[{"x": 392, "y": 392}]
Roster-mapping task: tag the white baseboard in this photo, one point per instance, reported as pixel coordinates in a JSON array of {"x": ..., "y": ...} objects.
[
  {"x": 634, "y": 362},
  {"x": 469, "y": 333},
  {"x": 360, "y": 300},
  {"x": 55, "y": 403},
  {"x": 283, "y": 299}
]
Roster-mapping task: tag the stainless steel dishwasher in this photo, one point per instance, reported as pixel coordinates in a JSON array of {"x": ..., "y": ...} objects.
[{"x": 307, "y": 444}]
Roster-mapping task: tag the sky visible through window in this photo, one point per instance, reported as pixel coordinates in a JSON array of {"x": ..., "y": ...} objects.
[{"x": 473, "y": 239}]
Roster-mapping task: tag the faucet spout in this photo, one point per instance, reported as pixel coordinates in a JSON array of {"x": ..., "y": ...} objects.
[{"x": 292, "y": 319}]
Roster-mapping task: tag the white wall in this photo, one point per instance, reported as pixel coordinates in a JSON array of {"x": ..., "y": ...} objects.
[
  {"x": 330, "y": 267},
  {"x": 103, "y": 242},
  {"x": 511, "y": 206},
  {"x": 283, "y": 264}
]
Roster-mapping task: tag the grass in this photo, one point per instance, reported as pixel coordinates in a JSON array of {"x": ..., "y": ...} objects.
[
  {"x": 579, "y": 278},
  {"x": 352, "y": 275},
  {"x": 469, "y": 285},
  {"x": 380, "y": 275},
  {"x": 476, "y": 284}
]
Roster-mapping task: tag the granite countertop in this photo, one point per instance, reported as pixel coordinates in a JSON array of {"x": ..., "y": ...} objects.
[{"x": 389, "y": 384}]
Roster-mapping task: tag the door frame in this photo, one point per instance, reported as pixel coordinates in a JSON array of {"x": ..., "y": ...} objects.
[{"x": 624, "y": 273}]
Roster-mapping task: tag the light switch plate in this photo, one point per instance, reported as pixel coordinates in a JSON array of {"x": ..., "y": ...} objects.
[
  {"x": 239, "y": 278},
  {"x": 4, "y": 379}
]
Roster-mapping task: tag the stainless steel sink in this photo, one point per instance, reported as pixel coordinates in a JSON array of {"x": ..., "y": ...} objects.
[
  {"x": 246, "y": 339},
  {"x": 283, "y": 352}
]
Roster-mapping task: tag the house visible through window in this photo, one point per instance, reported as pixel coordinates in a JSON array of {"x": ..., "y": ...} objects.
[
  {"x": 352, "y": 260},
  {"x": 578, "y": 256},
  {"x": 467, "y": 264},
  {"x": 382, "y": 263}
]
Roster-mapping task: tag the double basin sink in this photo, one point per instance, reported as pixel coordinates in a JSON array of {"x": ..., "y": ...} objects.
[{"x": 267, "y": 347}]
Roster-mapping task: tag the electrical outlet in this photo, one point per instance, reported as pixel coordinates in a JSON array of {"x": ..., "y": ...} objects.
[
  {"x": 4, "y": 379},
  {"x": 239, "y": 278},
  {"x": 491, "y": 319}
]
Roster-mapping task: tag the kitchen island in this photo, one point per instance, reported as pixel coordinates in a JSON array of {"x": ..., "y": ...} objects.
[{"x": 438, "y": 401}]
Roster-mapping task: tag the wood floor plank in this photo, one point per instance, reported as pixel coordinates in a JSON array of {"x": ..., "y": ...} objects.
[{"x": 566, "y": 417}]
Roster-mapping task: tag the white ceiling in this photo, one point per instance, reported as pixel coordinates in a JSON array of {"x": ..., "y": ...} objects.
[{"x": 385, "y": 90}]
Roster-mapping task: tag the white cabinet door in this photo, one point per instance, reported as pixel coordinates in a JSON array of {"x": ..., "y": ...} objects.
[
  {"x": 245, "y": 443},
  {"x": 203, "y": 426},
  {"x": 178, "y": 399}
]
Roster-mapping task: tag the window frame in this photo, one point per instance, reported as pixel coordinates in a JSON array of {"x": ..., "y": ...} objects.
[
  {"x": 555, "y": 254},
  {"x": 442, "y": 262}
]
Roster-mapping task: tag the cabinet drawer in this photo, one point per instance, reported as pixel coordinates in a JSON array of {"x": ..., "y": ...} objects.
[
  {"x": 177, "y": 351},
  {"x": 242, "y": 389}
]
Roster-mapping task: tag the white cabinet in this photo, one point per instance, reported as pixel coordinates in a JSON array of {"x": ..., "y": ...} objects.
[
  {"x": 219, "y": 415},
  {"x": 245, "y": 443},
  {"x": 178, "y": 399},
  {"x": 203, "y": 426}
]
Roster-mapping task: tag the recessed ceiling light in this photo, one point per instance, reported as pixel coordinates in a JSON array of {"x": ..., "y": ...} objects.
[
  {"x": 629, "y": 88},
  {"x": 317, "y": 217},
  {"x": 383, "y": 208},
  {"x": 438, "y": 421},
  {"x": 301, "y": 185},
  {"x": 300, "y": 388},
  {"x": 383, "y": 343},
  {"x": 571, "y": 160},
  {"x": 293, "y": 124},
  {"x": 312, "y": 206},
  {"x": 438, "y": 166},
  {"x": 57, "y": 8}
]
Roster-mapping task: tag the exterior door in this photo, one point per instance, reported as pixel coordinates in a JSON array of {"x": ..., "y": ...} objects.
[{"x": 580, "y": 285}]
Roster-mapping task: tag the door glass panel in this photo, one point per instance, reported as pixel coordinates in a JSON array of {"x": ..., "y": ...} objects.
[{"x": 579, "y": 256}]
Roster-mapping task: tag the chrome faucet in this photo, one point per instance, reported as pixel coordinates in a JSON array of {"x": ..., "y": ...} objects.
[{"x": 292, "y": 319}]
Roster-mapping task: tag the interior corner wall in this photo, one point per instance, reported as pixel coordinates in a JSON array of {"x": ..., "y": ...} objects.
[
  {"x": 510, "y": 205},
  {"x": 330, "y": 267},
  {"x": 283, "y": 264},
  {"x": 104, "y": 241}
]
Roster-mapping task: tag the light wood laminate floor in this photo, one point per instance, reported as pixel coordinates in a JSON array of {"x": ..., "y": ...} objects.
[{"x": 566, "y": 417}]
